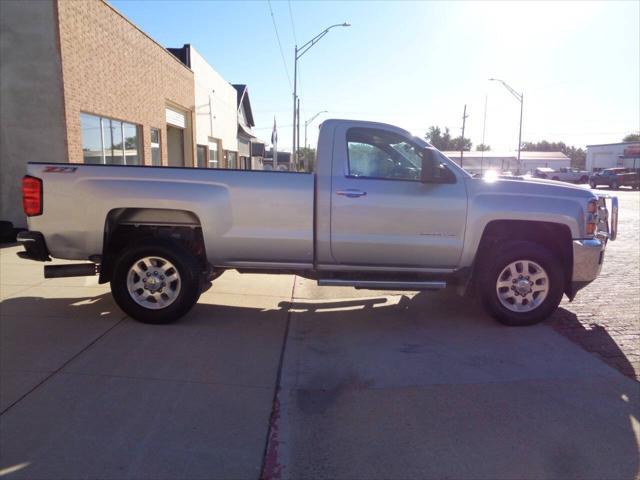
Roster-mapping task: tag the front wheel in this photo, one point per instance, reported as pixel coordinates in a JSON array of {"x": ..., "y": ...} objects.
[
  {"x": 521, "y": 285},
  {"x": 156, "y": 281},
  {"x": 592, "y": 184},
  {"x": 614, "y": 185}
]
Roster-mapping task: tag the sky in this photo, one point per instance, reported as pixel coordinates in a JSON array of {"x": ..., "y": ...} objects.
[{"x": 417, "y": 64}]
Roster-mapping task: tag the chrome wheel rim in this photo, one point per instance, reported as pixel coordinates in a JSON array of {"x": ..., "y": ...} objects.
[
  {"x": 153, "y": 282},
  {"x": 522, "y": 286}
]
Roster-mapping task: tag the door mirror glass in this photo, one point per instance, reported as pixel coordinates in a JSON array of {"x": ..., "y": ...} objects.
[{"x": 433, "y": 170}]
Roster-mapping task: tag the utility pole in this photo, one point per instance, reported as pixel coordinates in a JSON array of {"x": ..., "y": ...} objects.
[
  {"x": 484, "y": 129},
  {"x": 464, "y": 121},
  {"x": 297, "y": 164},
  {"x": 292, "y": 159}
]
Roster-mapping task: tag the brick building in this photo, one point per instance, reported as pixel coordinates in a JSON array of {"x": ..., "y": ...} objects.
[{"x": 81, "y": 83}]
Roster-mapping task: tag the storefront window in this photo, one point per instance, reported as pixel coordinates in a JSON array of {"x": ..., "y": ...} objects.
[
  {"x": 156, "y": 158},
  {"x": 109, "y": 141},
  {"x": 201, "y": 152},
  {"x": 232, "y": 159},
  {"x": 214, "y": 159}
]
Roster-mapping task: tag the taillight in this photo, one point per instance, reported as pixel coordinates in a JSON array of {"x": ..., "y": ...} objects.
[{"x": 31, "y": 196}]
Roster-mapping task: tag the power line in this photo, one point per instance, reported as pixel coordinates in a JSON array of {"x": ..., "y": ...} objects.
[
  {"x": 293, "y": 27},
  {"x": 284, "y": 62}
]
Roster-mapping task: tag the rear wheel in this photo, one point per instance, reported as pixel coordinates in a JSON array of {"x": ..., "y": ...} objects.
[
  {"x": 522, "y": 285},
  {"x": 555, "y": 178},
  {"x": 592, "y": 184},
  {"x": 156, "y": 281},
  {"x": 614, "y": 185},
  {"x": 583, "y": 179}
]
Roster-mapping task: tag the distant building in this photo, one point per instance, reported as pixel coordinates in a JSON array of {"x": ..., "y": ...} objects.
[
  {"x": 250, "y": 148},
  {"x": 283, "y": 163},
  {"x": 609, "y": 155},
  {"x": 474, "y": 161},
  {"x": 216, "y": 112},
  {"x": 82, "y": 84}
]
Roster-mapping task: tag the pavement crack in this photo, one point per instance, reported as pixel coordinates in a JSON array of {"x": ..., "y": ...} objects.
[{"x": 270, "y": 467}]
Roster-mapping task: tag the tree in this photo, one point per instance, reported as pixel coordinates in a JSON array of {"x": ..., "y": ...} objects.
[
  {"x": 460, "y": 143},
  {"x": 308, "y": 158},
  {"x": 443, "y": 141},
  {"x": 632, "y": 137},
  {"x": 439, "y": 140},
  {"x": 577, "y": 155},
  {"x": 481, "y": 147}
]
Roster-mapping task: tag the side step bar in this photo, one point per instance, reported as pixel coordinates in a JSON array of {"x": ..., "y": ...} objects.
[
  {"x": 383, "y": 284},
  {"x": 72, "y": 270}
]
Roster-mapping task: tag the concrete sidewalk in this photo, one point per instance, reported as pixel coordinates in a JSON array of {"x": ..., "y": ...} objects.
[
  {"x": 430, "y": 387},
  {"x": 371, "y": 385}
]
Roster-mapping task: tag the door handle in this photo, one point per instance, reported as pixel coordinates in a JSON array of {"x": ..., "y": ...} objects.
[{"x": 351, "y": 193}]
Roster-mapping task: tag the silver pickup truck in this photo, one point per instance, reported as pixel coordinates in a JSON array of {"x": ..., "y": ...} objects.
[{"x": 384, "y": 211}]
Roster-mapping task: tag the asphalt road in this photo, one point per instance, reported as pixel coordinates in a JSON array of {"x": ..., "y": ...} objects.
[{"x": 272, "y": 376}]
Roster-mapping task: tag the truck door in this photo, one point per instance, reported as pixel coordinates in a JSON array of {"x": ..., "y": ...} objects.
[{"x": 381, "y": 214}]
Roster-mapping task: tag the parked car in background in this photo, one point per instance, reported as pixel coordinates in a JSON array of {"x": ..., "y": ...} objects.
[
  {"x": 564, "y": 174},
  {"x": 616, "y": 178}
]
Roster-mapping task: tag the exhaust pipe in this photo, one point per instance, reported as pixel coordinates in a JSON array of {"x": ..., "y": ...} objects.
[{"x": 72, "y": 270}]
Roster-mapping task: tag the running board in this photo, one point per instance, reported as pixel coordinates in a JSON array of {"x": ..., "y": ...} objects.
[
  {"x": 71, "y": 270},
  {"x": 382, "y": 284}
]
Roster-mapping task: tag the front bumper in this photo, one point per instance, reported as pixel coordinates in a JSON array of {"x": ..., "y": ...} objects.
[
  {"x": 35, "y": 248},
  {"x": 588, "y": 256}
]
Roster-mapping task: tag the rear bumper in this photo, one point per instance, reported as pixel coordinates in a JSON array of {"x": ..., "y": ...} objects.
[
  {"x": 35, "y": 248},
  {"x": 588, "y": 256}
]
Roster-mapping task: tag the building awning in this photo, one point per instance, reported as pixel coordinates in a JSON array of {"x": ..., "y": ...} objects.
[{"x": 245, "y": 132}]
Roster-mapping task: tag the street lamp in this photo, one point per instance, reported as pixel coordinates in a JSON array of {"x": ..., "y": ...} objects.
[
  {"x": 305, "y": 161},
  {"x": 520, "y": 97},
  {"x": 299, "y": 52},
  {"x": 307, "y": 123}
]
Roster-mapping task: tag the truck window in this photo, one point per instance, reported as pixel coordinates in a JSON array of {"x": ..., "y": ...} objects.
[{"x": 382, "y": 155}]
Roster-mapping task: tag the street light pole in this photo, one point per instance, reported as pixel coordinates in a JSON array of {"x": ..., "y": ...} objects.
[
  {"x": 520, "y": 98},
  {"x": 299, "y": 52},
  {"x": 292, "y": 160},
  {"x": 307, "y": 123}
]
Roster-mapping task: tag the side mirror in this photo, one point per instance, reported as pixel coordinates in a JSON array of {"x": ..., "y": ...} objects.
[{"x": 433, "y": 171}]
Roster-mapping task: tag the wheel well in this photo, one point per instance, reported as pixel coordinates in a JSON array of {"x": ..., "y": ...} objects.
[
  {"x": 125, "y": 225},
  {"x": 554, "y": 236}
]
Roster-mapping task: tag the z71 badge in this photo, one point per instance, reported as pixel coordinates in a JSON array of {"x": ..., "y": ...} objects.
[{"x": 59, "y": 169}]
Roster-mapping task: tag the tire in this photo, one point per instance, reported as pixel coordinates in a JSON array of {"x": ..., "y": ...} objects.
[
  {"x": 614, "y": 185},
  {"x": 7, "y": 233},
  {"x": 592, "y": 185},
  {"x": 155, "y": 258},
  {"x": 556, "y": 179},
  {"x": 535, "y": 306},
  {"x": 583, "y": 180}
]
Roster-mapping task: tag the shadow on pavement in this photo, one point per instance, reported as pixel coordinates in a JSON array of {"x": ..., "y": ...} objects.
[
  {"x": 593, "y": 338},
  {"x": 338, "y": 424}
]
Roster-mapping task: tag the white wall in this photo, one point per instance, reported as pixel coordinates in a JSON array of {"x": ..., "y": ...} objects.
[
  {"x": 607, "y": 156},
  {"x": 221, "y": 120},
  {"x": 32, "y": 124}
]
